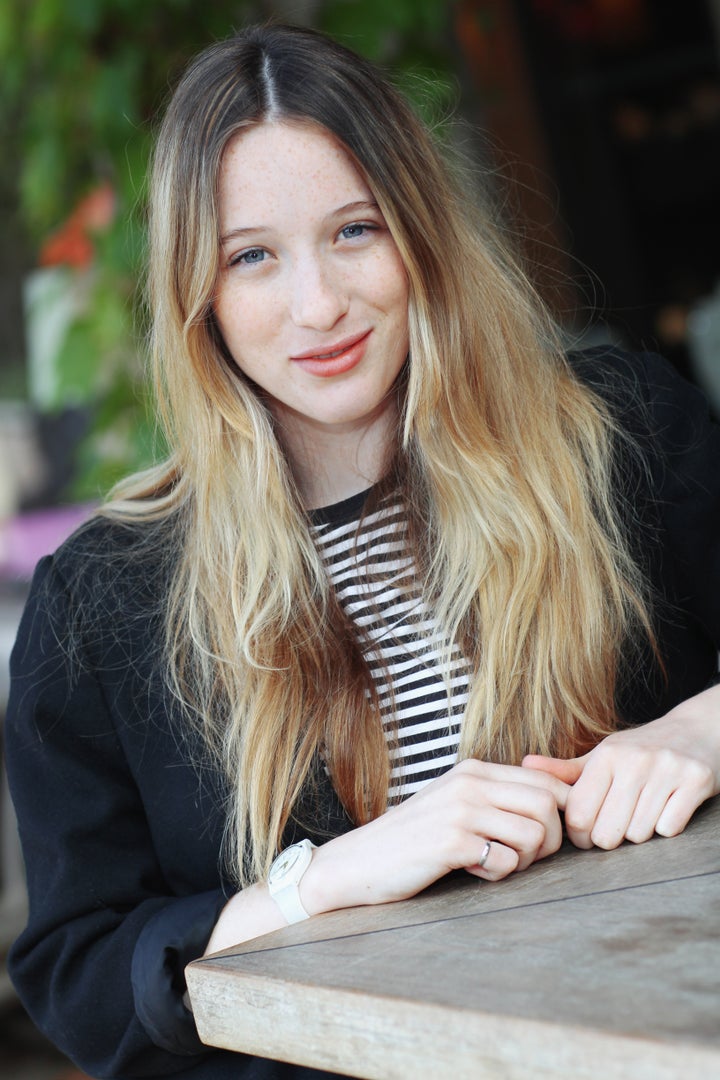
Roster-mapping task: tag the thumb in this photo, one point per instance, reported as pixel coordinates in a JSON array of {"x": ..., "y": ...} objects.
[{"x": 569, "y": 770}]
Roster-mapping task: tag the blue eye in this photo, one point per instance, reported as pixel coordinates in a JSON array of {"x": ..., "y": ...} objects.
[
  {"x": 355, "y": 230},
  {"x": 251, "y": 257}
]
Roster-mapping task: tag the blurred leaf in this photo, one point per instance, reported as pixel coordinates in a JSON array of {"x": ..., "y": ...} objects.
[
  {"x": 76, "y": 364},
  {"x": 83, "y": 15},
  {"x": 409, "y": 38}
]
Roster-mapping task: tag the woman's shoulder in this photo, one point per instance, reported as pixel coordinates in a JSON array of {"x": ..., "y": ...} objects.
[
  {"x": 632, "y": 378},
  {"x": 110, "y": 563},
  {"x": 669, "y": 445},
  {"x": 104, "y": 536},
  {"x": 647, "y": 396},
  {"x": 618, "y": 374}
]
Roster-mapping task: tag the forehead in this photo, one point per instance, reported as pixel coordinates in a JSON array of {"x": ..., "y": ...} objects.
[{"x": 276, "y": 164}]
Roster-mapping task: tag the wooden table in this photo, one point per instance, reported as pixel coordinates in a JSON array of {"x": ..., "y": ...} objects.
[{"x": 589, "y": 964}]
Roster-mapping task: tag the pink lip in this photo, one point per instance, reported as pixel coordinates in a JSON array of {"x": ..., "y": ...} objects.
[{"x": 335, "y": 360}]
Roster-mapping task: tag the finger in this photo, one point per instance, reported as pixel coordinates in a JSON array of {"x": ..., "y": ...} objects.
[
  {"x": 544, "y": 781},
  {"x": 678, "y": 810},
  {"x": 569, "y": 770},
  {"x": 514, "y": 774},
  {"x": 496, "y": 861},
  {"x": 584, "y": 802},
  {"x": 650, "y": 807},
  {"x": 536, "y": 801},
  {"x": 616, "y": 812},
  {"x": 675, "y": 789},
  {"x": 530, "y": 835}
]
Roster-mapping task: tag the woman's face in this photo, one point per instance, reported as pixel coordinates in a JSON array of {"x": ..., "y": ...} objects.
[{"x": 312, "y": 296}]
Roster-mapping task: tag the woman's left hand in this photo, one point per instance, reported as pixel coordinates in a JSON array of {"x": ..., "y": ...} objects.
[{"x": 643, "y": 780}]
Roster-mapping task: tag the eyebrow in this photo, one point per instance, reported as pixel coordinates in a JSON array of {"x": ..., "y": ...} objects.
[
  {"x": 348, "y": 208},
  {"x": 353, "y": 207}
]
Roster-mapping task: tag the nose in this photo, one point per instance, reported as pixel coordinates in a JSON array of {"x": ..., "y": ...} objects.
[{"x": 319, "y": 296}]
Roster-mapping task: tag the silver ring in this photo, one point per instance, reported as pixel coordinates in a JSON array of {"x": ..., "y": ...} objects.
[{"x": 485, "y": 854}]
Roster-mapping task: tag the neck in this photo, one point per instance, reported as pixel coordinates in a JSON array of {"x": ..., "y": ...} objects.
[{"x": 331, "y": 464}]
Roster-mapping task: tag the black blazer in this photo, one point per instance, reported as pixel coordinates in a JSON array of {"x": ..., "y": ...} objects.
[{"x": 122, "y": 827}]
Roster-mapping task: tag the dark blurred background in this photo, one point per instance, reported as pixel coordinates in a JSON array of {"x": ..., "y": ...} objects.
[{"x": 597, "y": 122}]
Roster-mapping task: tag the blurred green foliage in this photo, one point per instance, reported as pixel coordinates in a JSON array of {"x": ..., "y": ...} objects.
[
  {"x": 82, "y": 83},
  {"x": 411, "y": 39}
]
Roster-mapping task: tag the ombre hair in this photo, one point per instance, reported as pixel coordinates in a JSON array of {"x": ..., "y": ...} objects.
[{"x": 504, "y": 462}]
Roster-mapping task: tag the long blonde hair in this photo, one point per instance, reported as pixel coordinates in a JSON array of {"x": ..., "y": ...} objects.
[{"x": 505, "y": 463}]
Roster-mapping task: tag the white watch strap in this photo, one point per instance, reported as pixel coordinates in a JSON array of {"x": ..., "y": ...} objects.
[
  {"x": 289, "y": 902},
  {"x": 285, "y": 876}
]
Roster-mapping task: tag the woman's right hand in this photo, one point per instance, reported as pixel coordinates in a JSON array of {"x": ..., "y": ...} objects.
[{"x": 445, "y": 826}]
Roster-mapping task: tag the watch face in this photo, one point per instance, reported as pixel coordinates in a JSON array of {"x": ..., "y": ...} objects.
[{"x": 285, "y": 862}]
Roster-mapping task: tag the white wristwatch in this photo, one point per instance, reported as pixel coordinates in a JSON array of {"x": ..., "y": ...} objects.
[{"x": 285, "y": 875}]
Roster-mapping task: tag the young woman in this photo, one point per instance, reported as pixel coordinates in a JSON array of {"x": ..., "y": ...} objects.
[{"x": 411, "y": 584}]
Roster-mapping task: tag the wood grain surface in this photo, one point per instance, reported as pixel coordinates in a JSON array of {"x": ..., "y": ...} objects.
[{"x": 589, "y": 964}]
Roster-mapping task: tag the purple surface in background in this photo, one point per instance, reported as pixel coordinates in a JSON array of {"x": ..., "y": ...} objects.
[{"x": 26, "y": 538}]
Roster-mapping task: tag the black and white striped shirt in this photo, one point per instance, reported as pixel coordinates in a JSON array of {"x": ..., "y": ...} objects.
[{"x": 372, "y": 571}]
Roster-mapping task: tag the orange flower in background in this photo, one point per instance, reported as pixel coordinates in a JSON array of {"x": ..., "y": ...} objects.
[{"x": 71, "y": 244}]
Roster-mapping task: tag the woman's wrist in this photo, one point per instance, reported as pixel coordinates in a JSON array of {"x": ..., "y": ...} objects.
[
  {"x": 321, "y": 887},
  {"x": 253, "y": 912},
  {"x": 248, "y": 914},
  {"x": 341, "y": 875}
]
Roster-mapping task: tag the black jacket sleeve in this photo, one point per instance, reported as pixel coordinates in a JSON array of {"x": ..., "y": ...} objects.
[
  {"x": 121, "y": 825},
  {"x": 686, "y": 488},
  {"x": 100, "y": 964},
  {"x": 668, "y": 481}
]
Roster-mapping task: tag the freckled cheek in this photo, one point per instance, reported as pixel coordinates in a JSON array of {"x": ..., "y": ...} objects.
[
  {"x": 386, "y": 283},
  {"x": 393, "y": 280},
  {"x": 396, "y": 297},
  {"x": 246, "y": 322}
]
